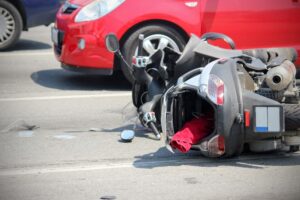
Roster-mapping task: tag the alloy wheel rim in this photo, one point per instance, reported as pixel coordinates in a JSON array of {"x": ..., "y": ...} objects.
[
  {"x": 7, "y": 25},
  {"x": 157, "y": 41}
]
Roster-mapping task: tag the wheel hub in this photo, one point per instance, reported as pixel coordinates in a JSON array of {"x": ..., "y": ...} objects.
[
  {"x": 157, "y": 41},
  {"x": 7, "y": 25}
]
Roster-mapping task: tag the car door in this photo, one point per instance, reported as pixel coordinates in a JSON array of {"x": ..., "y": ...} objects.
[
  {"x": 254, "y": 23},
  {"x": 272, "y": 23},
  {"x": 220, "y": 16},
  {"x": 41, "y": 12}
]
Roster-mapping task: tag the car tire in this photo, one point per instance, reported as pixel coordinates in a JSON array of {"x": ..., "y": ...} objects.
[
  {"x": 11, "y": 25},
  {"x": 151, "y": 33}
]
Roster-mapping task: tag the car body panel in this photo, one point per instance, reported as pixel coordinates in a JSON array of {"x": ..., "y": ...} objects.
[
  {"x": 263, "y": 23},
  {"x": 122, "y": 24},
  {"x": 251, "y": 24},
  {"x": 40, "y": 12}
]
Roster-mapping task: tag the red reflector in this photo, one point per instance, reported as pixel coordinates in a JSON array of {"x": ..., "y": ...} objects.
[
  {"x": 134, "y": 60},
  {"x": 247, "y": 118},
  {"x": 221, "y": 143},
  {"x": 216, "y": 146},
  {"x": 220, "y": 93}
]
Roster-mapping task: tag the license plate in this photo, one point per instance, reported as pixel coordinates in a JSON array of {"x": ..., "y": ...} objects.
[
  {"x": 268, "y": 119},
  {"x": 54, "y": 35}
]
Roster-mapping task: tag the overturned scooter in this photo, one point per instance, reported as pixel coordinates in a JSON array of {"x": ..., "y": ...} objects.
[{"x": 242, "y": 97}]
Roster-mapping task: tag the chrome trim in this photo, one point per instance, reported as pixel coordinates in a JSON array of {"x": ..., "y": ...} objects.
[{"x": 167, "y": 118}]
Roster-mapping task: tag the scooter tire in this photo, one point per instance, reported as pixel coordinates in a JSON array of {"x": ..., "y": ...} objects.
[
  {"x": 292, "y": 116},
  {"x": 138, "y": 91},
  {"x": 294, "y": 149}
]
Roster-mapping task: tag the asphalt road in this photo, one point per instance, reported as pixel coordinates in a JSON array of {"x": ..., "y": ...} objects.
[{"x": 74, "y": 151}]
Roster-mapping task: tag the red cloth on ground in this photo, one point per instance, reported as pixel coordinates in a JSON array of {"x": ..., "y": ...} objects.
[{"x": 191, "y": 133}]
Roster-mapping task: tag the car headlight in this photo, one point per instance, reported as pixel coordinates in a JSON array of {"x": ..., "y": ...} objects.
[{"x": 97, "y": 9}]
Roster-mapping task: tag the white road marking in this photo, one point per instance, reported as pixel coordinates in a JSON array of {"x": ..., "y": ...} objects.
[
  {"x": 62, "y": 168},
  {"x": 46, "y": 170},
  {"x": 249, "y": 164},
  {"x": 46, "y": 53},
  {"x": 123, "y": 94},
  {"x": 64, "y": 137}
]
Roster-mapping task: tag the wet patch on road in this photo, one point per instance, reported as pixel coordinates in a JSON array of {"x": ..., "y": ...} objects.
[{"x": 25, "y": 134}]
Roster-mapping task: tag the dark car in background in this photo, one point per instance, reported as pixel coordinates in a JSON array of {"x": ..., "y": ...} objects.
[{"x": 20, "y": 15}]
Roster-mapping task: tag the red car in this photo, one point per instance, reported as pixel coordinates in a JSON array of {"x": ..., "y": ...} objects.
[{"x": 81, "y": 27}]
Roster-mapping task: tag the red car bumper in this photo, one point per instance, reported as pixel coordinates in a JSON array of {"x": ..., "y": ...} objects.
[{"x": 93, "y": 56}]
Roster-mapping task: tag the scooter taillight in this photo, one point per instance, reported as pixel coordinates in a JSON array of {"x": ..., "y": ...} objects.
[
  {"x": 216, "y": 89},
  {"x": 216, "y": 146}
]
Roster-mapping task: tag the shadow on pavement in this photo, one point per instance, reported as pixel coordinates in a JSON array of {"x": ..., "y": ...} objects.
[
  {"x": 64, "y": 80},
  {"x": 163, "y": 158},
  {"x": 24, "y": 44}
]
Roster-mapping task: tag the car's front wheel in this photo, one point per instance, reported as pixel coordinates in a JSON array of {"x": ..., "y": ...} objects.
[
  {"x": 156, "y": 36},
  {"x": 11, "y": 25}
]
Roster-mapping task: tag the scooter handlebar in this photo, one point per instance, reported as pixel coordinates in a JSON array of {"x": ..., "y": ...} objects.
[
  {"x": 154, "y": 129},
  {"x": 140, "y": 45}
]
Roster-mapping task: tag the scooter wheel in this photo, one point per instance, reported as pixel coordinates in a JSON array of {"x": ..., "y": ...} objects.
[
  {"x": 292, "y": 116},
  {"x": 294, "y": 148}
]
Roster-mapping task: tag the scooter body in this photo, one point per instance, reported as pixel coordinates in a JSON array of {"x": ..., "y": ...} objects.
[
  {"x": 172, "y": 88},
  {"x": 241, "y": 116}
]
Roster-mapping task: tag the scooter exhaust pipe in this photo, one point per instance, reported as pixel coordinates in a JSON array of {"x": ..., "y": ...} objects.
[{"x": 280, "y": 77}]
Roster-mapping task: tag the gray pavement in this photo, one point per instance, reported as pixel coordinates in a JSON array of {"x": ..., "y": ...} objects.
[{"x": 75, "y": 152}]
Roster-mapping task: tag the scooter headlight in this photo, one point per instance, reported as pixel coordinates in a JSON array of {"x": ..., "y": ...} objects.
[{"x": 97, "y": 9}]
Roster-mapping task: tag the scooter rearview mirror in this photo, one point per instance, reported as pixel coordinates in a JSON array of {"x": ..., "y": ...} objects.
[
  {"x": 127, "y": 135},
  {"x": 112, "y": 43}
]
